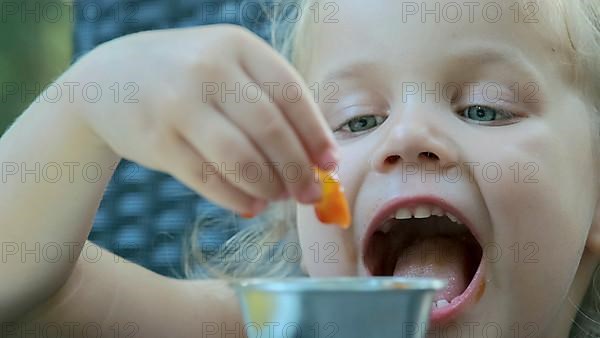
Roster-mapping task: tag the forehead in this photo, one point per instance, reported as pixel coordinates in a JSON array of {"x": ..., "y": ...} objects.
[{"x": 408, "y": 36}]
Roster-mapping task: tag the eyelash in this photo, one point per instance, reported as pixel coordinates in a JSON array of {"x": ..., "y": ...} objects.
[
  {"x": 347, "y": 122},
  {"x": 508, "y": 116}
]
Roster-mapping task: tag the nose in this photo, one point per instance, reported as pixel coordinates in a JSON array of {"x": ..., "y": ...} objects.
[{"x": 415, "y": 141}]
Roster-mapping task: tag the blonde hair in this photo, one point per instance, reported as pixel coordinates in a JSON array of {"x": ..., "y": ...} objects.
[
  {"x": 262, "y": 246},
  {"x": 580, "y": 19}
]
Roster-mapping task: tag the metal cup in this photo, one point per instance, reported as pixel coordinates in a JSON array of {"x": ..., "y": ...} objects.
[{"x": 344, "y": 307}]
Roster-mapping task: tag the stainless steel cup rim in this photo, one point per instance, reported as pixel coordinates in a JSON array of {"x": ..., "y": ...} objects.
[{"x": 345, "y": 284}]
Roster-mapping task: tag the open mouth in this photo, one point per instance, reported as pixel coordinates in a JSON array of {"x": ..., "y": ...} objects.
[{"x": 427, "y": 240}]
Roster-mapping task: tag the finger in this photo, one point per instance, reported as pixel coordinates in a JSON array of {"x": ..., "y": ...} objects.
[
  {"x": 265, "y": 125},
  {"x": 294, "y": 99},
  {"x": 192, "y": 169},
  {"x": 237, "y": 158}
]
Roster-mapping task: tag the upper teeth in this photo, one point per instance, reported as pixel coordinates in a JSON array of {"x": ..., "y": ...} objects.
[
  {"x": 424, "y": 211},
  {"x": 403, "y": 214},
  {"x": 420, "y": 211}
]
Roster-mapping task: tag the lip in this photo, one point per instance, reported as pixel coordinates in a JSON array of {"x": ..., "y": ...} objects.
[
  {"x": 475, "y": 288},
  {"x": 472, "y": 294}
]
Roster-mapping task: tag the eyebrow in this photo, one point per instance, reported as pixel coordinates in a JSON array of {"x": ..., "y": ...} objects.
[
  {"x": 354, "y": 70},
  {"x": 477, "y": 55},
  {"x": 490, "y": 55}
]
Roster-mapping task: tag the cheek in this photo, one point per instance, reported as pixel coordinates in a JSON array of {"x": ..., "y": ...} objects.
[
  {"x": 539, "y": 203},
  {"x": 542, "y": 193},
  {"x": 327, "y": 251}
]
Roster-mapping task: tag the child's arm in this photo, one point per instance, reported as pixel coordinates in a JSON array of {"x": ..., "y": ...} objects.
[
  {"x": 38, "y": 215},
  {"x": 99, "y": 289},
  {"x": 125, "y": 300}
]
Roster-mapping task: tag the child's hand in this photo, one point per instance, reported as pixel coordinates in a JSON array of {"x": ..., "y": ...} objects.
[{"x": 197, "y": 104}]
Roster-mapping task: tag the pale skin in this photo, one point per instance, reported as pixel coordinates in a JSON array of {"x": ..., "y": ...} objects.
[{"x": 503, "y": 211}]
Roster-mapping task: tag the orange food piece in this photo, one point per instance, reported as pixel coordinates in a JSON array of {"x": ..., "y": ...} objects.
[
  {"x": 333, "y": 207},
  {"x": 247, "y": 215}
]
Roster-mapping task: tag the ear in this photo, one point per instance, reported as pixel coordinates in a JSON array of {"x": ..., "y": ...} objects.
[{"x": 593, "y": 240}]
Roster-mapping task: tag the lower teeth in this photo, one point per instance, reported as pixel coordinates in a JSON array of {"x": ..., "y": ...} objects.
[{"x": 442, "y": 303}]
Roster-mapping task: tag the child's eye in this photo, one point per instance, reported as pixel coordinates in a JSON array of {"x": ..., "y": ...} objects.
[
  {"x": 362, "y": 123},
  {"x": 487, "y": 115}
]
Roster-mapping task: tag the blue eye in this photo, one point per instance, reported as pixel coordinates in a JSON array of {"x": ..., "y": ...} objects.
[
  {"x": 485, "y": 115},
  {"x": 362, "y": 123}
]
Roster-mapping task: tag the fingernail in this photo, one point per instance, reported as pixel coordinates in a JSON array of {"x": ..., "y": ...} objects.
[
  {"x": 311, "y": 195},
  {"x": 328, "y": 159}
]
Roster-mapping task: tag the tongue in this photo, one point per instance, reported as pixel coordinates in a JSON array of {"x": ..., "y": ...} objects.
[{"x": 436, "y": 257}]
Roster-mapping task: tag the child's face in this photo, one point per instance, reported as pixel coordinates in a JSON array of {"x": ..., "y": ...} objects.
[{"x": 524, "y": 183}]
